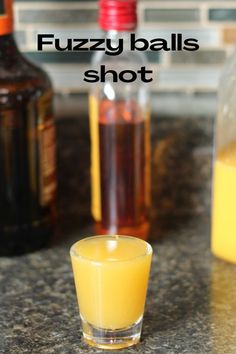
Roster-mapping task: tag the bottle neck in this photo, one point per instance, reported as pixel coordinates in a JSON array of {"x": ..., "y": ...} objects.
[
  {"x": 8, "y": 49},
  {"x": 6, "y": 17},
  {"x": 115, "y": 36}
]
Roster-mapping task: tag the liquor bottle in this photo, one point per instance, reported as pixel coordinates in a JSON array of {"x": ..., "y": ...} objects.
[
  {"x": 223, "y": 241},
  {"x": 120, "y": 132},
  {"x": 27, "y": 148}
]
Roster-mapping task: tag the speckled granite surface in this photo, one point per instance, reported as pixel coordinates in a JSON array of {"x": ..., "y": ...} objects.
[{"x": 191, "y": 303}]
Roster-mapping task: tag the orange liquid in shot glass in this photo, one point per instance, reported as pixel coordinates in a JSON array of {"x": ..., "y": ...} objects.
[{"x": 111, "y": 277}]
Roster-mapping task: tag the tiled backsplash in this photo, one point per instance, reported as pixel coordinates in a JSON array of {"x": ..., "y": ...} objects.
[{"x": 213, "y": 23}]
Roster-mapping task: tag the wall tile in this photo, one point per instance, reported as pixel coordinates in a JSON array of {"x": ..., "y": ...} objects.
[
  {"x": 154, "y": 57},
  {"x": 172, "y": 15},
  {"x": 205, "y": 36},
  {"x": 72, "y": 32},
  {"x": 188, "y": 78},
  {"x": 75, "y": 57},
  {"x": 63, "y": 34},
  {"x": 55, "y": 1},
  {"x": 59, "y": 57},
  {"x": 54, "y": 16},
  {"x": 229, "y": 35},
  {"x": 68, "y": 78},
  {"x": 222, "y": 14},
  {"x": 20, "y": 37},
  {"x": 209, "y": 57}
]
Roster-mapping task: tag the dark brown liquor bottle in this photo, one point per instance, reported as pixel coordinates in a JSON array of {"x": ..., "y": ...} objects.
[{"x": 27, "y": 148}]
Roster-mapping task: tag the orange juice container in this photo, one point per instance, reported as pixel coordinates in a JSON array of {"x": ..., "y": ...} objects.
[{"x": 223, "y": 238}]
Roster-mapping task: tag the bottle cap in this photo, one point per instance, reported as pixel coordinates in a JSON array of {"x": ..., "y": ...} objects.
[{"x": 119, "y": 15}]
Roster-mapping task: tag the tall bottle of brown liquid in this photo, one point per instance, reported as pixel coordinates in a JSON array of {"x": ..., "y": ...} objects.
[
  {"x": 27, "y": 148},
  {"x": 120, "y": 132}
]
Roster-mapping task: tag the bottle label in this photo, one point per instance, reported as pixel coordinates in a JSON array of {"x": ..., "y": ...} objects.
[
  {"x": 6, "y": 17},
  {"x": 47, "y": 161},
  {"x": 31, "y": 161}
]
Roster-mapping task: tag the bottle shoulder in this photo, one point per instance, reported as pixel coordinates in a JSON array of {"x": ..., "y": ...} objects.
[{"x": 17, "y": 73}]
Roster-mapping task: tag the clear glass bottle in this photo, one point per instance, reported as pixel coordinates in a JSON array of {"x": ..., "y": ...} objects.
[
  {"x": 27, "y": 148},
  {"x": 120, "y": 133},
  {"x": 223, "y": 242}
]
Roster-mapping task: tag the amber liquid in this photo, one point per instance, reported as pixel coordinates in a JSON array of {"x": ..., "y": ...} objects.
[{"x": 124, "y": 171}]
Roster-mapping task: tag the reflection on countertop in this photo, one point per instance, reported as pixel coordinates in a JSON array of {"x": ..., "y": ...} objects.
[{"x": 191, "y": 304}]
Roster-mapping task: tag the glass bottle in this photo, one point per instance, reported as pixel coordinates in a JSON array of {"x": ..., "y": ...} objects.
[
  {"x": 120, "y": 132},
  {"x": 223, "y": 241},
  {"x": 27, "y": 148}
]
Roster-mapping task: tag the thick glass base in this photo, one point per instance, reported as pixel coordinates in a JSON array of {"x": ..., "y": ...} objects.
[{"x": 111, "y": 339}]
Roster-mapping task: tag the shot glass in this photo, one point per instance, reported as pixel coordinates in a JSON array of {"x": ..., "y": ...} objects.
[{"x": 111, "y": 278}]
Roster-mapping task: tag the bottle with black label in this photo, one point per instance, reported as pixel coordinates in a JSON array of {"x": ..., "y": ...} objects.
[{"x": 27, "y": 148}]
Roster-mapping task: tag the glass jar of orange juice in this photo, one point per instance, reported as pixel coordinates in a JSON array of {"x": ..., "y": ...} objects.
[{"x": 223, "y": 242}]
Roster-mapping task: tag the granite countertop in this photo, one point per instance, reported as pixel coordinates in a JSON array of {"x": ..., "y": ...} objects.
[{"x": 191, "y": 303}]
